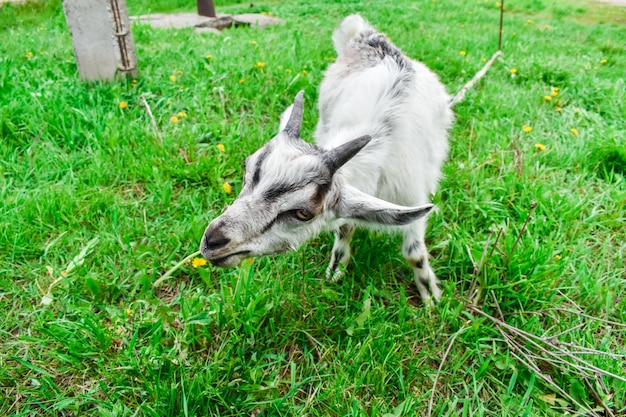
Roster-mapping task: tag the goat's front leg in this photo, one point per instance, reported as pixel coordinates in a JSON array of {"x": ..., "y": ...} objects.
[
  {"x": 341, "y": 252},
  {"x": 416, "y": 254}
]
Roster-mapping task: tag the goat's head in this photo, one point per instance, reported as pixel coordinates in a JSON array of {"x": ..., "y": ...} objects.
[{"x": 290, "y": 193}]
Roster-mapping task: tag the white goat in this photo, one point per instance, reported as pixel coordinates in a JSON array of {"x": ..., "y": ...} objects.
[{"x": 399, "y": 113}]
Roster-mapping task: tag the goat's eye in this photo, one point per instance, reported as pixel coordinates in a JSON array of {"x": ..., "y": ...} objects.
[{"x": 303, "y": 215}]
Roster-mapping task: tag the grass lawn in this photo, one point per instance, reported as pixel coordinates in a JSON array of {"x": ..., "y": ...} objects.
[{"x": 529, "y": 237}]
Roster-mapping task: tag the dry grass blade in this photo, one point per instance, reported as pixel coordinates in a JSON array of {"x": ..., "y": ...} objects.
[
  {"x": 550, "y": 350},
  {"x": 152, "y": 119},
  {"x": 443, "y": 360}
]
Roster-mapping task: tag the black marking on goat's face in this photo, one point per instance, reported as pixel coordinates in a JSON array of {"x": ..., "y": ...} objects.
[{"x": 256, "y": 176}]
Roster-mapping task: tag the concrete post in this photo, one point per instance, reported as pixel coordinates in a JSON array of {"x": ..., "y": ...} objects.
[{"x": 103, "y": 42}]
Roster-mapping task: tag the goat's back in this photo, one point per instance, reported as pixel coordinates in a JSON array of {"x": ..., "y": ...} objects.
[{"x": 373, "y": 88}]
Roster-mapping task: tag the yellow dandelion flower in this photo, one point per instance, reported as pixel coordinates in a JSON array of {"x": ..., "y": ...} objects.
[
  {"x": 253, "y": 42},
  {"x": 260, "y": 64},
  {"x": 554, "y": 93},
  {"x": 527, "y": 129},
  {"x": 173, "y": 78},
  {"x": 209, "y": 56},
  {"x": 129, "y": 312},
  {"x": 179, "y": 72},
  {"x": 463, "y": 53},
  {"x": 123, "y": 104},
  {"x": 264, "y": 13},
  {"x": 574, "y": 131},
  {"x": 305, "y": 72},
  {"x": 198, "y": 262},
  {"x": 174, "y": 119},
  {"x": 540, "y": 146},
  {"x": 181, "y": 114},
  {"x": 547, "y": 27},
  {"x": 483, "y": 59},
  {"x": 513, "y": 71},
  {"x": 498, "y": 4},
  {"x": 603, "y": 61},
  {"x": 555, "y": 88},
  {"x": 221, "y": 147},
  {"x": 547, "y": 98},
  {"x": 530, "y": 22},
  {"x": 557, "y": 257},
  {"x": 241, "y": 81},
  {"x": 227, "y": 188},
  {"x": 558, "y": 109},
  {"x": 64, "y": 273},
  {"x": 28, "y": 55}
]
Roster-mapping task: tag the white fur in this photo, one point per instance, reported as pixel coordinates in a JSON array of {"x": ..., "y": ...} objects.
[{"x": 386, "y": 181}]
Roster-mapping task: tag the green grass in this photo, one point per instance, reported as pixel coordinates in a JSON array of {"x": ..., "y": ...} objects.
[{"x": 273, "y": 337}]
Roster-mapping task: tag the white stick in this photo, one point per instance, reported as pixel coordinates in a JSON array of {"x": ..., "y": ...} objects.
[{"x": 480, "y": 74}]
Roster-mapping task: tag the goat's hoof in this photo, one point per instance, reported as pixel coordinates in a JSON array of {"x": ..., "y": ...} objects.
[{"x": 333, "y": 274}]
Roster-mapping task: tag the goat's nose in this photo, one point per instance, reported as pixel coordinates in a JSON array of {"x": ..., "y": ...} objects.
[{"x": 214, "y": 239}]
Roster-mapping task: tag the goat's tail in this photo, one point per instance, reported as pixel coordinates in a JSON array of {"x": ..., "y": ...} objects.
[{"x": 348, "y": 29}]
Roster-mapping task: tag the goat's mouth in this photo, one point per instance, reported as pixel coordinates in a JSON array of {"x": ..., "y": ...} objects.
[{"x": 229, "y": 260}]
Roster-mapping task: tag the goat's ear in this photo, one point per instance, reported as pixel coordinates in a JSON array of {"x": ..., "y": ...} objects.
[
  {"x": 294, "y": 123},
  {"x": 284, "y": 118},
  {"x": 356, "y": 205},
  {"x": 335, "y": 158}
]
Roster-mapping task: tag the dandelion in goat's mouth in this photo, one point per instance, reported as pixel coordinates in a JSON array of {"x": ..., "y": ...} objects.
[{"x": 198, "y": 262}]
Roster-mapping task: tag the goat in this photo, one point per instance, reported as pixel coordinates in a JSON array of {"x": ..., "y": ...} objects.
[{"x": 381, "y": 140}]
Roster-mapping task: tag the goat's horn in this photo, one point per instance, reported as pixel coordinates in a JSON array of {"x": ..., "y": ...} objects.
[
  {"x": 335, "y": 158},
  {"x": 292, "y": 128}
]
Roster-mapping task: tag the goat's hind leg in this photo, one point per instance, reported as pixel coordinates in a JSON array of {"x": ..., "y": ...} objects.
[
  {"x": 416, "y": 254},
  {"x": 341, "y": 252}
]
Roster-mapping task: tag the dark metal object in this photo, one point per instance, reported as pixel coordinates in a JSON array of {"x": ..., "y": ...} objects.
[{"x": 206, "y": 8}]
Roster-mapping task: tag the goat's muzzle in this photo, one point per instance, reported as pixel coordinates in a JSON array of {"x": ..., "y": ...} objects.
[{"x": 214, "y": 247}]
